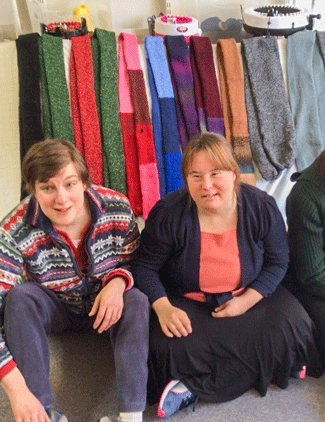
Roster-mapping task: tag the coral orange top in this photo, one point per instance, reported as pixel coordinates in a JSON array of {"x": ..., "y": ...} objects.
[{"x": 219, "y": 264}]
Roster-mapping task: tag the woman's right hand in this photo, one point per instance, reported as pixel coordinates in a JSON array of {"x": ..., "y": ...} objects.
[
  {"x": 25, "y": 406},
  {"x": 173, "y": 321}
]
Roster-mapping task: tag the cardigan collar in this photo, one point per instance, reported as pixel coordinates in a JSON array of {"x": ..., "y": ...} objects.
[{"x": 312, "y": 175}]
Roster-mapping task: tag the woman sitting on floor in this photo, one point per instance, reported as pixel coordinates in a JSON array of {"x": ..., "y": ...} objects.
[
  {"x": 306, "y": 231},
  {"x": 211, "y": 259},
  {"x": 64, "y": 258}
]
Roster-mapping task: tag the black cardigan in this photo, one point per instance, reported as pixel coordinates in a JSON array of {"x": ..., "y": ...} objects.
[{"x": 167, "y": 261}]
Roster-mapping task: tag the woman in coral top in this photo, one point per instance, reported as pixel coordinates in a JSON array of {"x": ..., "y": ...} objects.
[{"x": 211, "y": 259}]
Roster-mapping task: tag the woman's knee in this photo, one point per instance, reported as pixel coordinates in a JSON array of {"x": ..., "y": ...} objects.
[
  {"x": 28, "y": 299},
  {"x": 19, "y": 295}
]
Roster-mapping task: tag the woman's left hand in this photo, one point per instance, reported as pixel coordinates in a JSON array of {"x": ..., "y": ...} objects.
[
  {"x": 108, "y": 305},
  {"x": 237, "y": 305}
]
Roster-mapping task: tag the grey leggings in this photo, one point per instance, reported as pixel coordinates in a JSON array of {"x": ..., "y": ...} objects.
[{"x": 33, "y": 311}]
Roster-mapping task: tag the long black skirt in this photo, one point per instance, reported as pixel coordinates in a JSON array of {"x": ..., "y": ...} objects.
[{"x": 224, "y": 357}]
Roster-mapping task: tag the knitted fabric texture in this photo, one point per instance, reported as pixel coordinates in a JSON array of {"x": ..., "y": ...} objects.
[
  {"x": 83, "y": 107},
  {"x": 134, "y": 103},
  {"x": 306, "y": 87},
  {"x": 30, "y": 121},
  {"x": 231, "y": 81},
  {"x": 157, "y": 128},
  {"x": 206, "y": 85},
  {"x": 270, "y": 121},
  {"x": 183, "y": 85},
  {"x": 57, "y": 121},
  {"x": 305, "y": 211},
  {"x": 164, "y": 116},
  {"x": 105, "y": 74},
  {"x": 30, "y": 117},
  {"x": 32, "y": 250}
]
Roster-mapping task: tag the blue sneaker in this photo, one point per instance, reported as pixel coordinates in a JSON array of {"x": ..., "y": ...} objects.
[
  {"x": 54, "y": 415},
  {"x": 174, "y": 397}
]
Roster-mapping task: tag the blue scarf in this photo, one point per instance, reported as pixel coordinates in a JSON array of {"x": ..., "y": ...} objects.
[{"x": 164, "y": 121}]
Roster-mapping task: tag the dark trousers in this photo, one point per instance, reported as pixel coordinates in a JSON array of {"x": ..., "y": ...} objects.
[
  {"x": 315, "y": 306},
  {"x": 33, "y": 311}
]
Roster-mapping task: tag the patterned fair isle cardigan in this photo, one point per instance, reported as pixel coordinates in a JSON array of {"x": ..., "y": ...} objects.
[{"x": 31, "y": 250}]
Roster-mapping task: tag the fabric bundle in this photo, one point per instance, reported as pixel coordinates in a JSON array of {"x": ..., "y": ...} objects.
[
  {"x": 30, "y": 121},
  {"x": 166, "y": 136},
  {"x": 83, "y": 107},
  {"x": 306, "y": 87},
  {"x": 105, "y": 74},
  {"x": 270, "y": 121},
  {"x": 57, "y": 121},
  {"x": 183, "y": 85},
  {"x": 206, "y": 85},
  {"x": 231, "y": 81},
  {"x": 136, "y": 129}
]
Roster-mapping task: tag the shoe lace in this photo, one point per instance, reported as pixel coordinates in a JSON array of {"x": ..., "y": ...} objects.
[{"x": 187, "y": 401}]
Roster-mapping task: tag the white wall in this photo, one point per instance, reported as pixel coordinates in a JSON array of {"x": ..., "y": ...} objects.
[
  {"x": 110, "y": 14},
  {"x": 122, "y": 14},
  {"x": 114, "y": 14},
  {"x": 9, "y": 133}
]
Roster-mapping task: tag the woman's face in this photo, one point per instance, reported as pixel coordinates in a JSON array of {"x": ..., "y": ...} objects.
[
  {"x": 211, "y": 189},
  {"x": 61, "y": 198}
]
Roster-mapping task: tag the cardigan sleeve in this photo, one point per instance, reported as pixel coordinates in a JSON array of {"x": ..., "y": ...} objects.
[
  {"x": 156, "y": 246},
  {"x": 273, "y": 241},
  {"x": 11, "y": 273},
  {"x": 305, "y": 217},
  {"x": 130, "y": 244}
]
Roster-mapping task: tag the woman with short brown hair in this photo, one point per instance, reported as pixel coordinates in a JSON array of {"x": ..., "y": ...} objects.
[{"x": 64, "y": 258}]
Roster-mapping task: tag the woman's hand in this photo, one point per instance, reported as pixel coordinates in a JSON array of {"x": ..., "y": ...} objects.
[
  {"x": 237, "y": 305},
  {"x": 25, "y": 406},
  {"x": 108, "y": 304},
  {"x": 173, "y": 321}
]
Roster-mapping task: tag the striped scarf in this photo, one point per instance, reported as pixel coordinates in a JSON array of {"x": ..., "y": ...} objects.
[
  {"x": 182, "y": 80},
  {"x": 136, "y": 129},
  {"x": 164, "y": 120},
  {"x": 206, "y": 85},
  {"x": 231, "y": 81}
]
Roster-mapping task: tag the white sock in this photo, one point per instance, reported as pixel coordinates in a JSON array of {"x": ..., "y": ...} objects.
[
  {"x": 180, "y": 388},
  {"x": 131, "y": 416}
]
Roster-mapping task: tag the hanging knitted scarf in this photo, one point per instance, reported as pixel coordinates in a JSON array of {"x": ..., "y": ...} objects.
[
  {"x": 164, "y": 113},
  {"x": 135, "y": 120},
  {"x": 55, "y": 95},
  {"x": 83, "y": 107},
  {"x": 157, "y": 128},
  {"x": 206, "y": 85},
  {"x": 182, "y": 80},
  {"x": 30, "y": 117},
  {"x": 30, "y": 122},
  {"x": 105, "y": 73},
  {"x": 306, "y": 87},
  {"x": 270, "y": 122},
  {"x": 231, "y": 81}
]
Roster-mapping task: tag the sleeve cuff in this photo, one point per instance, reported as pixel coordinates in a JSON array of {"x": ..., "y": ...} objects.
[
  {"x": 8, "y": 367},
  {"x": 120, "y": 273}
]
